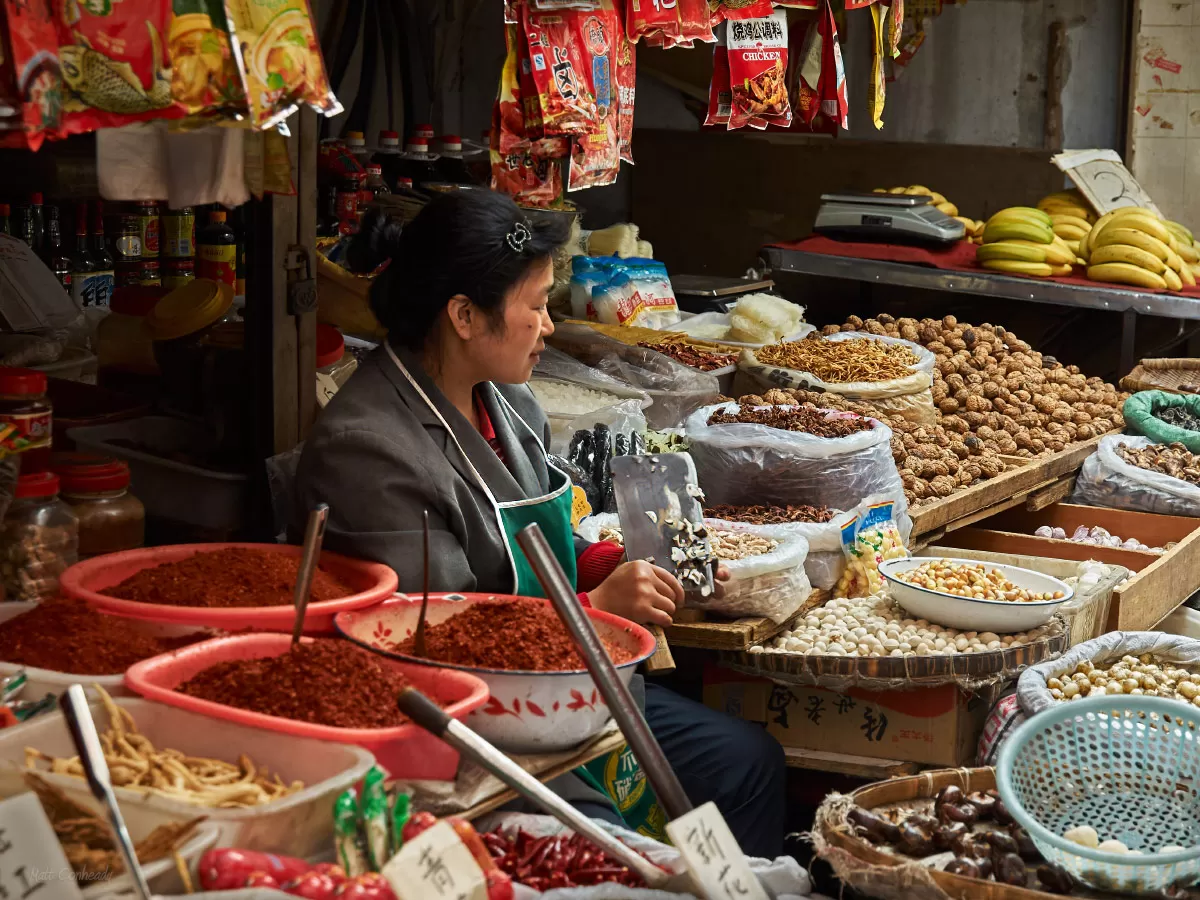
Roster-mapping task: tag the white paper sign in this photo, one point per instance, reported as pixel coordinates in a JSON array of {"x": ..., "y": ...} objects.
[
  {"x": 435, "y": 865},
  {"x": 32, "y": 863},
  {"x": 1102, "y": 177},
  {"x": 714, "y": 859}
]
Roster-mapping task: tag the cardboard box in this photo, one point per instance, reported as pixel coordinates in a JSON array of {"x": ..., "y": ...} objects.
[{"x": 936, "y": 726}]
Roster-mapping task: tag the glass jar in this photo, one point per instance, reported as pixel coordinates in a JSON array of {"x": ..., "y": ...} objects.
[
  {"x": 39, "y": 539},
  {"x": 23, "y": 405},
  {"x": 111, "y": 519}
]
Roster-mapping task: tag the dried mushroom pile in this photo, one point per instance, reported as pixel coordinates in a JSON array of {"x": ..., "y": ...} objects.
[{"x": 1174, "y": 460}]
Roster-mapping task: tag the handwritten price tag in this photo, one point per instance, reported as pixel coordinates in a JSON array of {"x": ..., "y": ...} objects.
[
  {"x": 714, "y": 859},
  {"x": 434, "y": 864},
  {"x": 1102, "y": 177},
  {"x": 32, "y": 863}
]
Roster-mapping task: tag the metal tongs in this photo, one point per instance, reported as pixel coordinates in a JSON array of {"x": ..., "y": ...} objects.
[
  {"x": 78, "y": 714},
  {"x": 314, "y": 535}
]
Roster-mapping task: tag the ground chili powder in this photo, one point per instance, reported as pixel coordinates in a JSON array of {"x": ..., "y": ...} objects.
[
  {"x": 231, "y": 577},
  {"x": 506, "y": 634},
  {"x": 66, "y": 635},
  {"x": 325, "y": 681}
]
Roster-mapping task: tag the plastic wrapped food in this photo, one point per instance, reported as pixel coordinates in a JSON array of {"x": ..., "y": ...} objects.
[
  {"x": 1108, "y": 480},
  {"x": 204, "y": 73},
  {"x": 868, "y": 539},
  {"x": 31, "y": 88}
]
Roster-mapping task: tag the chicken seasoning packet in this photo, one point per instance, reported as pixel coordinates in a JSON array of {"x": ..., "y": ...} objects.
[
  {"x": 112, "y": 54},
  {"x": 30, "y": 82},
  {"x": 758, "y": 52},
  {"x": 279, "y": 59},
  {"x": 204, "y": 73}
]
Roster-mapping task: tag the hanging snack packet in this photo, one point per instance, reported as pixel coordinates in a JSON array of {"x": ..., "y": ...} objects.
[
  {"x": 808, "y": 75},
  {"x": 695, "y": 23},
  {"x": 834, "y": 104},
  {"x": 758, "y": 50},
  {"x": 730, "y": 10},
  {"x": 596, "y": 157},
  {"x": 204, "y": 74},
  {"x": 401, "y": 810},
  {"x": 720, "y": 96},
  {"x": 868, "y": 539},
  {"x": 350, "y": 855},
  {"x": 895, "y": 23},
  {"x": 626, "y": 93},
  {"x": 878, "y": 82},
  {"x": 561, "y": 72},
  {"x": 859, "y": 4},
  {"x": 652, "y": 18},
  {"x": 31, "y": 92},
  {"x": 279, "y": 58},
  {"x": 113, "y": 62}
]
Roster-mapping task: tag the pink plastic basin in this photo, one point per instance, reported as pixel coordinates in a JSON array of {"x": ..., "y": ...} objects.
[
  {"x": 406, "y": 751},
  {"x": 90, "y": 579},
  {"x": 527, "y": 712}
]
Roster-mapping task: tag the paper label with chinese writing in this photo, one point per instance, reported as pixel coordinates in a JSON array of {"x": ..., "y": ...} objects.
[
  {"x": 32, "y": 863},
  {"x": 714, "y": 859},
  {"x": 436, "y": 865}
]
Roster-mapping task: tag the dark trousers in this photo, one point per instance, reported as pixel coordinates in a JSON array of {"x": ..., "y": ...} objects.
[{"x": 733, "y": 763}]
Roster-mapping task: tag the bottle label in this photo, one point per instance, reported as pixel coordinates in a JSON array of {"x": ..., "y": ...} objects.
[
  {"x": 347, "y": 204},
  {"x": 33, "y": 430},
  {"x": 92, "y": 288},
  {"x": 179, "y": 236},
  {"x": 218, "y": 262},
  {"x": 64, "y": 278},
  {"x": 148, "y": 231}
]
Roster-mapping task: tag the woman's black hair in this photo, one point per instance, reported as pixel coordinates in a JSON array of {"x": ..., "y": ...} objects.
[{"x": 476, "y": 243}]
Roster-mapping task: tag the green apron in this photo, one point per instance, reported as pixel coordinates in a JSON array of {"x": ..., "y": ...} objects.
[{"x": 552, "y": 513}]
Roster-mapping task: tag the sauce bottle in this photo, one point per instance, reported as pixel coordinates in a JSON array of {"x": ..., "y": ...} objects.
[
  {"x": 5, "y": 220},
  {"x": 39, "y": 221},
  {"x": 104, "y": 272},
  {"x": 147, "y": 212},
  {"x": 216, "y": 251},
  {"x": 53, "y": 252}
]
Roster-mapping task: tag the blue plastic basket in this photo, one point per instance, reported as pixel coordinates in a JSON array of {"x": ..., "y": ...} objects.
[{"x": 1129, "y": 766}]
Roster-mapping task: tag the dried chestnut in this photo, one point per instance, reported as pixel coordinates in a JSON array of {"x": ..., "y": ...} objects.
[
  {"x": 982, "y": 802},
  {"x": 1001, "y": 842},
  {"x": 1010, "y": 869},
  {"x": 872, "y": 827},
  {"x": 986, "y": 869},
  {"x": 965, "y": 813},
  {"x": 914, "y": 841},
  {"x": 951, "y": 794},
  {"x": 960, "y": 866},
  {"x": 1025, "y": 846},
  {"x": 947, "y": 836},
  {"x": 1055, "y": 879},
  {"x": 1001, "y": 814}
]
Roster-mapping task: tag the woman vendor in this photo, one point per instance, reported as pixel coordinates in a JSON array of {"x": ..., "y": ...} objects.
[{"x": 440, "y": 418}]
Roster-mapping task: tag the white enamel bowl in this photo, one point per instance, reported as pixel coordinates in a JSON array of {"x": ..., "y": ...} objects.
[{"x": 968, "y": 614}]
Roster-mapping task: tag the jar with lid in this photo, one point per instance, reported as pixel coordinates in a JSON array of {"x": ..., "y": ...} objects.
[
  {"x": 40, "y": 539},
  {"x": 24, "y": 406},
  {"x": 111, "y": 519},
  {"x": 334, "y": 364}
]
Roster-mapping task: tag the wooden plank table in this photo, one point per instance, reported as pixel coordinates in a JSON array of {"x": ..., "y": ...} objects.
[
  {"x": 715, "y": 633},
  {"x": 847, "y": 764}
]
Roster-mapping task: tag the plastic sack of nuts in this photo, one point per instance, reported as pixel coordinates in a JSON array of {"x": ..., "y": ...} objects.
[
  {"x": 892, "y": 382},
  {"x": 825, "y": 562},
  {"x": 747, "y": 463},
  {"x": 1109, "y": 479},
  {"x": 1164, "y": 418}
]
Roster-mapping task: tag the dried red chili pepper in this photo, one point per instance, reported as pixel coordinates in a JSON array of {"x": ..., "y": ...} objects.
[
  {"x": 230, "y": 577},
  {"x": 556, "y": 861},
  {"x": 325, "y": 681},
  {"x": 67, "y": 635},
  {"x": 505, "y": 634}
]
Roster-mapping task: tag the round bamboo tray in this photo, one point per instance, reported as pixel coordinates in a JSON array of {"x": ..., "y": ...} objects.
[
  {"x": 898, "y": 671},
  {"x": 873, "y": 872},
  {"x": 1178, "y": 376}
]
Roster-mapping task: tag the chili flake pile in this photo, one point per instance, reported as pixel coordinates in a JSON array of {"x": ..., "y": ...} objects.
[
  {"x": 505, "y": 634},
  {"x": 65, "y": 635},
  {"x": 325, "y": 681},
  {"x": 233, "y": 577}
]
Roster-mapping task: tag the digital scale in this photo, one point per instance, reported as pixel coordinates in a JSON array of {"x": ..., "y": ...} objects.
[{"x": 886, "y": 218}]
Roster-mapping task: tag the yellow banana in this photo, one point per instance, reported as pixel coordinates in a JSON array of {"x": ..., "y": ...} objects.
[
  {"x": 1180, "y": 230},
  {"x": 1067, "y": 219},
  {"x": 1174, "y": 263},
  {"x": 1124, "y": 273},
  {"x": 1026, "y": 251},
  {"x": 1187, "y": 251},
  {"x": 1073, "y": 246},
  {"x": 1014, "y": 230},
  {"x": 1174, "y": 282},
  {"x": 1100, "y": 225},
  {"x": 898, "y": 190},
  {"x": 1195, "y": 267},
  {"x": 1144, "y": 222},
  {"x": 1118, "y": 234},
  {"x": 967, "y": 224},
  {"x": 1018, "y": 267},
  {"x": 1073, "y": 232},
  {"x": 1080, "y": 261},
  {"x": 948, "y": 208},
  {"x": 1064, "y": 269},
  {"x": 1058, "y": 253},
  {"x": 917, "y": 189},
  {"x": 1124, "y": 253},
  {"x": 1066, "y": 209},
  {"x": 936, "y": 198},
  {"x": 1020, "y": 213},
  {"x": 1187, "y": 276}
]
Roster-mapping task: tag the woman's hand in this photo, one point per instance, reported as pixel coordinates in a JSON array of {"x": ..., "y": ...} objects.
[
  {"x": 640, "y": 592},
  {"x": 719, "y": 578}
]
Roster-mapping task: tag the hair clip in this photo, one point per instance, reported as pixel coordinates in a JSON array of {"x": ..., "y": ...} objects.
[{"x": 518, "y": 236}]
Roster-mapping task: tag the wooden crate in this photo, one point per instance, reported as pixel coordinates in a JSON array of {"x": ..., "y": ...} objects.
[
  {"x": 1160, "y": 583},
  {"x": 711, "y": 632}
]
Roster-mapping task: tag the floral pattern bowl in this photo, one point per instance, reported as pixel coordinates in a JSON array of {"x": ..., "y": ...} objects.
[{"x": 527, "y": 712}]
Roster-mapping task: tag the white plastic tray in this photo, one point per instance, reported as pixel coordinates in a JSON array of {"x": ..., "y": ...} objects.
[
  {"x": 40, "y": 682},
  {"x": 298, "y": 825}
]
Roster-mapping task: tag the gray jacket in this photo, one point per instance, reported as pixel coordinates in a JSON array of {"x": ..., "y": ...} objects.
[{"x": 379, "y": 457}]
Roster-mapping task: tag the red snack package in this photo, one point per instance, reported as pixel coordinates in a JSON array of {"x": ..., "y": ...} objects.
[
  {"x": 834, "y": 104},
  {"x": 720, "y": 97},
  {"x": 30, "y": 83},
  {"x": 626, "y": 93},
  {"x": 758, "y": 50},
  {"x": 529, "y": 173},
  {"x": 595, "y": 158},
  {"x": 113, "y": 63},
  {"x": 729, "y": 10},
  {"x": 525, "y": 90},
  {"x": 658, "y": 18},
  {"x": 799, "y": 4},
  {"x": 559, "y": 62},
  {"x": 858, "y": 4},
  {"x": 695, "y": 23}
]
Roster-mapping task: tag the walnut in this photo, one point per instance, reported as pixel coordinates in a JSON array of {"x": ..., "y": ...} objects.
[
  {"x": 955, "y": 382},
  {"x": 1061, "y": 414},
  {"x": 1055, "y": 446},
  {"x": 915, "y": 463},
  {"x": 990, "y": 467},
  {"x": 928, "y": 335},
  {"x": 934, "y": 469},
  {"x": 752, "y": 400},
  {"x": 985, "y": 432},
  {"x": 948, "y": 407},
  {"x": 974, "y": 445},
  {"x": 991, "y": 390},
  {"x": 942, "y": 440},
  {"x": 975, "y": 419},
  {"x": 1039, "y": 446},
  {"x": 1086, "y": 432},
  {"x": 919, "y": 489},
  {"x": 1023, "y": 440},
  {"x": 776, "y": 397},
  {"x": 1081, "y": 418},
  {"x": 974, "y": 469},
  {"x": 1007, "y": 445},
  {"x": 909, "y": 333},
  {"x": 854, "y": 322},
  {"x": 965, "y": 477},
  {"x": 943, "y": 485},
  {"x": 959, "y": 449},
  {"x": 977, "y": 404},
  {"x": 898, "y": 448},
  {"x": 929, "y": 451},
  {"x": 910, "y": 442},
  {"x": 992, "y": 419},
  {"x": 830, "y": 329},
  {"x": 950, "y": 322},
  {"x": 1101, "y": 426}
]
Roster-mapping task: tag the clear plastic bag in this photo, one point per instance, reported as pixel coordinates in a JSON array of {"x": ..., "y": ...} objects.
[
  {"x": 910, "y": 397},
  {"x": 1107, "y": 480},
  {"x": 625, "y": 418},
  {"x": 870, "y": 536},
  {"x": 746, "y": 464}
]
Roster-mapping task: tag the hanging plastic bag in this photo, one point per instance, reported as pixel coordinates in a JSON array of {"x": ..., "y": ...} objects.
[
  {"x": 910, "y": 397},
  {"x": 1140, "y": 417},
  {"x": 749, "y": 463},
  {"x": 626, "y": 82},
  {"x": 1107, "y": 480},
  {"x": 870, "y": 536},
  {"x": 720, "y": 91},
  {"x": 758, "y": 64},
  {"x": 31, "y": 84}
]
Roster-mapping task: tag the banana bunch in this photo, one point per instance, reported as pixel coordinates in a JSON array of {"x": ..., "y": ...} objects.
[
  {"x": 1071, "y": 217},
  {"x": 974, "y": 228},
  {"x": 1188, "y": 249},
  {"x": 1020, "y": 240},
  {"x": 1132, "y": 245}
]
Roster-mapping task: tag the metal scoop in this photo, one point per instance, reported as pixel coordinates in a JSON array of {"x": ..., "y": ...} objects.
[{"x": 314, "y": 534}]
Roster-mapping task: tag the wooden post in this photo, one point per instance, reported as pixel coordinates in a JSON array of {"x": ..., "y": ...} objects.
[
  {"x": 306, "y": 216},
  {"x": 1056, "y": 52}
]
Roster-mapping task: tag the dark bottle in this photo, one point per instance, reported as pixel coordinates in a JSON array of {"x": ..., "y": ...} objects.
[
  {"x": 216, "y": 251},
  {"x": 418, "y": 163},
  {"x": 54, "y": 252},
  {"x": 388, "y": 157},
  {"x": 327, "y": 225},
  {"x": 82, "y": 264},
  {"x": 25, "y": 229},
  {"x": 5, "y": 219},
  {"x": 39, "y": 221},
  {"x": 104, "y": 272},
  {"x": 450, "y": 165}
]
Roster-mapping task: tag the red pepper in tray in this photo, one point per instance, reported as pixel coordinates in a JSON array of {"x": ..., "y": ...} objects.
[
  {"x": 553, "y": 861},
  {"x": 499, "y": 884}
]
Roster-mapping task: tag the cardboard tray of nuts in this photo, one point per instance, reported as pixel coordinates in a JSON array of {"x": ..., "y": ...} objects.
[{"x": 865, "y": 861}]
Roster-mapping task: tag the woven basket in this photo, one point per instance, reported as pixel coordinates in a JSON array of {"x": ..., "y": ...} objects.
[{"x": 1179, "y": 376}]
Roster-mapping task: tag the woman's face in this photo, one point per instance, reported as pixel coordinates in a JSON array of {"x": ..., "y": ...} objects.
[{"x": 509, "y": 349}]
